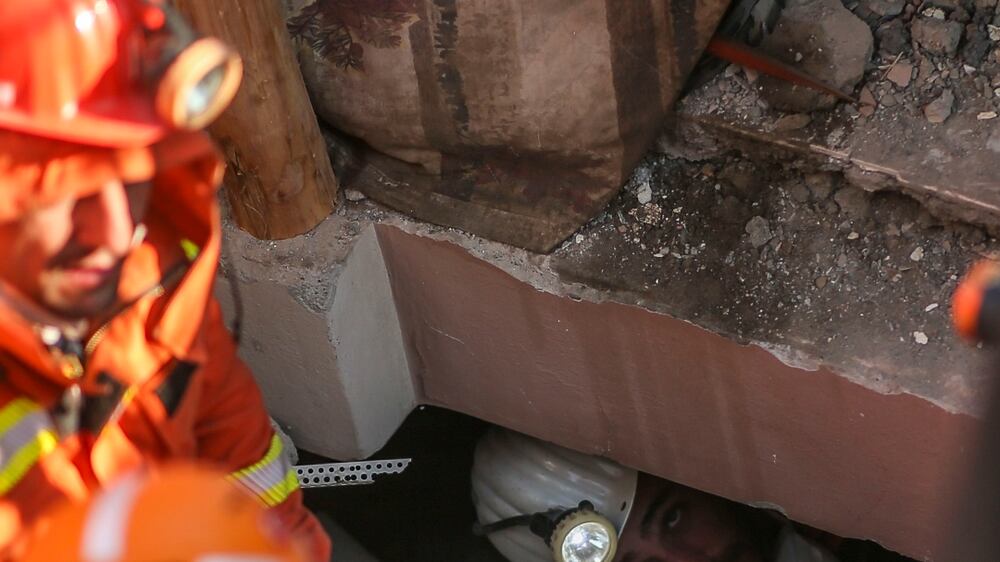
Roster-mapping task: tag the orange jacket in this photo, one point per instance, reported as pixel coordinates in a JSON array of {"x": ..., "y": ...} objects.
[{"x": 160, "y": 378}]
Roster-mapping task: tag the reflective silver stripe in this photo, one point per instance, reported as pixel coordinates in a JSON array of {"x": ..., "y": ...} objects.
[
  {"x": 106, "y": 527},
  {"x": 26, "y": 435},
  {"x": 266, "y": 476},
  {"x": 272, "y": 479}
]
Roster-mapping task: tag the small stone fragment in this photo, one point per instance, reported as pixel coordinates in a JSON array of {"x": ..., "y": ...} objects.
[
  {"x": 931, "y": 307},
  {"x": 578, "y": 238},
  {"x": 934, "y": 13},
  {"x": 644, "y": 193},
  {"x": 353, "y": 195},
  {"x": 994, "y": 32},
  {"x": 920, "y": 338},
  {"x": 759, "y": 230},
  {"x": 937, "y": 36},
  {"x": 917, "y": 254},
  {"x": 867, "y": 102},
  {"x": 821, "y": 281},
  {"x": 792, "y": 122},
  {"x": 823, "y": 39},
  {"x": 925, "y": 70},
  {"x": 853, "y": 236},
  {"x": 987, "y": 115},
  {"x": 853, "y": 202},
  {"x": 901, "y": 73},
  {"x": 940, "y": 109}
]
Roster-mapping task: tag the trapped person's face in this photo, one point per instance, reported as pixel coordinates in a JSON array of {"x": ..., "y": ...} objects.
[{"x": 673, "y": 523}]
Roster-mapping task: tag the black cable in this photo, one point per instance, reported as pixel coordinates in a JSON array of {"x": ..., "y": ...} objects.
[
  {"x": 482, "y": 530},
  {"x": 234, "y": 292}
]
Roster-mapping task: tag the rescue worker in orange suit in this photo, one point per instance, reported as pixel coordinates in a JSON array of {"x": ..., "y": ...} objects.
[{"x": 113, "y": 351}]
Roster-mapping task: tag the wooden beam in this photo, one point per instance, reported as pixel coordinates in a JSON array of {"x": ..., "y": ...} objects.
[{"x": 279, "y": 181}]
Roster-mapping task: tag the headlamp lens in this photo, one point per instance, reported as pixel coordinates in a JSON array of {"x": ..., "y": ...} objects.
[
  {"x": 201, "y": 96},
  {"x": 587, "y": 542}
]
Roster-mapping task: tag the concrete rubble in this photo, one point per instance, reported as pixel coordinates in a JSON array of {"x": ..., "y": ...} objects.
[{"x": 826, "y": 41}]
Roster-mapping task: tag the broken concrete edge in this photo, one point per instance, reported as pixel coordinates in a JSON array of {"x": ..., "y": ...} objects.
[
  {"x": 297, "y": 266},
  {"x": 535, "y": 270},
  {"x": 324, "y": 344},
  {"x": 941, "y": 201}
]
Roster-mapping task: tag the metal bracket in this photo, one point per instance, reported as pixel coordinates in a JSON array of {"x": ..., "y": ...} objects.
[{"x": 347, "y": 473}]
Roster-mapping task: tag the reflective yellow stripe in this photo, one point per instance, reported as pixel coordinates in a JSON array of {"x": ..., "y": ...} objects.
[
  {"x": 272, "y": 478},
  {"x": 25, "y": 436},
  {"x": 25, "y": 458},
  {"x": 272, "y": 453},
  {"x": 14, "y": 412},
  {"x": 191, "y": 250}
]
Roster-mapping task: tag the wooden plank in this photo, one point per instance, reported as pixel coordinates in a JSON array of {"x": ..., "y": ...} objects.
[{"x": 279, "y": 180}]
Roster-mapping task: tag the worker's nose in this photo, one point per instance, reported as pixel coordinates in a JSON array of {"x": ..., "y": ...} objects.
[{"x": 104, "y": 220}]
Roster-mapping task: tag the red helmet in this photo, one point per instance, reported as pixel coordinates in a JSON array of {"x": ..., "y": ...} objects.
[{"x": 108, "y": 72}]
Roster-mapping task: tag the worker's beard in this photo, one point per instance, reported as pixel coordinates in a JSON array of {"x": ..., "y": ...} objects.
[
  {"x": 78, "y": 283},
  {"x": 79, "y": 294}
]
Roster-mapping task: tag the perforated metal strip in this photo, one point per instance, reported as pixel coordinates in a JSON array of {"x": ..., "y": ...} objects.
[{"x": 347, "y": 473}]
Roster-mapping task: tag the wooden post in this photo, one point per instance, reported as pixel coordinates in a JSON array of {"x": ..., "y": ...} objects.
[{"x": 279, "y": 180}]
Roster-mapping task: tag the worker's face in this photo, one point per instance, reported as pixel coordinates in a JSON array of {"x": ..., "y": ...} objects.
[
  {"x": 67, "y": 257},
  {"x": 679, "y": 524}
]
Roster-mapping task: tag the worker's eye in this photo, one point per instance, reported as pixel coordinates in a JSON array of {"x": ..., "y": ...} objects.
[{"x": 672, "y": 518}]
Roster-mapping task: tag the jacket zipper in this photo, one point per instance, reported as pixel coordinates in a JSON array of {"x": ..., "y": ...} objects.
[{"x": 97, "y": 337}]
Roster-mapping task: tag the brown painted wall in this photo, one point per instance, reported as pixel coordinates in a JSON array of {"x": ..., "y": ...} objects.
[{"x": 672, "y": 399}]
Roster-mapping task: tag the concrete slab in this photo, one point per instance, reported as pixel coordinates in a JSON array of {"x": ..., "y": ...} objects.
[{"x": 572, "y": 347}]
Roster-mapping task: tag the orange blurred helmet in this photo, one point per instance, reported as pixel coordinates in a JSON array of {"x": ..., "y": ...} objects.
[
  {"x": 108, "y": 72},
  {"x": 182, "y": 513},
  {"x": 976, "y": 302}
]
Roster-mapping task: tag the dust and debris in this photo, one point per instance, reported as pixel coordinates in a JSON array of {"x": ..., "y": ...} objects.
[
  {"x": 925, "y": 66},
  {"x": 768, "y": 252},
  {"x": 780, "y": 248}
]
